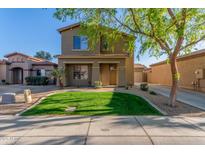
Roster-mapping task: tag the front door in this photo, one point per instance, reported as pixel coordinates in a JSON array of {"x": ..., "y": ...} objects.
[
  {"x": 113, "y": 74},
  {"x": 108, "y": 74},
  {"x": 17, "y": 76},
  {"x": 104, "y": 74}
]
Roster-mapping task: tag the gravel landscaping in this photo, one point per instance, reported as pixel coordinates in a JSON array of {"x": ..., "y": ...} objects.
[{"x": 161, "y": 101}]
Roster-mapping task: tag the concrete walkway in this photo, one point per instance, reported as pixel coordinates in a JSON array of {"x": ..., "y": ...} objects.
[
  {"x": 193, "y": 98},
  {"x": 102, "y": 130}
]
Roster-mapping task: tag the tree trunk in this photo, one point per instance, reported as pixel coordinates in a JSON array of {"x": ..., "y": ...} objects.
[
  {"x": 60, "y": 83},
  {"x": 175, "y": 80}
]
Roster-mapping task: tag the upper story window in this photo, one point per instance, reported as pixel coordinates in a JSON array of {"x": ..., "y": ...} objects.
[
  {"x": 80, "y": 43},
  {"x": 104, "y": 44}
]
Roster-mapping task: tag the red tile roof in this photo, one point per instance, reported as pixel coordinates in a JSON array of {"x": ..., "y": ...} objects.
[{"x": 36, "y": 61}]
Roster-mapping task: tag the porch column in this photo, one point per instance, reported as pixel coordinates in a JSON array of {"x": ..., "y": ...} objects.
[
  {"x": 25, "y": 74},
  {"x": 121, "y": 75},
  {"x": 95, "y": 73},
  {"x": 66, "y": 75},
  {"x": 64, "y": 82},
  {"x": 10, "y": 76}
]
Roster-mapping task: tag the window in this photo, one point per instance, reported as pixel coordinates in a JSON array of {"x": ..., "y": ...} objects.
[
  {"x": 80, "y": 72},
  {"x": 41, "y": 72},
  {"x": 104, "y": 44},
  {"x": 80, "y": 42},
  {"x": 38, "y": 73},
  {"x": 48, "y": 73}
]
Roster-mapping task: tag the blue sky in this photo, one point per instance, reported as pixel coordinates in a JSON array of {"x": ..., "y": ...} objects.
[{"x": 31, "y": 30}]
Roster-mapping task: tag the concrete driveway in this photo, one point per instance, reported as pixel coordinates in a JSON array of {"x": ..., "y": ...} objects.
[
  {"x": 102, "y": 130},
  {"x": 20, "y": 88},
  {"x": 193, "y": 98}
]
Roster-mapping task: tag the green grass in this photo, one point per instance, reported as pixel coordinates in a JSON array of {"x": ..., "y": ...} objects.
[{"x": 93, "y": 103}]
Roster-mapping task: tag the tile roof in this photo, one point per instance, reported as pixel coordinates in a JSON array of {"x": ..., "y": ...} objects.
[{"x": 36, "y": 61}]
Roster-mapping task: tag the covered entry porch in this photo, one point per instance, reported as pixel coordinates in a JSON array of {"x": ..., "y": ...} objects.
[
  {"x": 17, "y": 75},
  {"x": 86, "y": 73}
]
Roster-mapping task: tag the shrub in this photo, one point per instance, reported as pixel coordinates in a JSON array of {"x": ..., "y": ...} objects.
[
  {"x": 37, "y": 80},
  {"x": 3, "y": 82},
  {"x": 58, "y": 74},
  {"x": 144, "y": 86},
  {"x": 152, "y": 93},
  {"x": 98, "y": 84}
]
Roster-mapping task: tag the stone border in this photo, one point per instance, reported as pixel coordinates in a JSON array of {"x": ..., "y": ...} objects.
[
  {"x": 154, "y": 106},
  {"x": 36, "y": 103}
]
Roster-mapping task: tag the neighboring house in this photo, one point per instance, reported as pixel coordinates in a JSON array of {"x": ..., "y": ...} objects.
[
  {"x": 17, "y": 66},
  {"x": 83, "y": 67},
  {"x": 139, "y": 73},
  {"x": 191, "y": 68}
]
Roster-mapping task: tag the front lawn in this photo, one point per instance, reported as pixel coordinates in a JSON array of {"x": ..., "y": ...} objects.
[{"x": 93, "y": 103}]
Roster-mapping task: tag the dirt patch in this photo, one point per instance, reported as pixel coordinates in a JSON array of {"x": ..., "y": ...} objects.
[
  {"x": 160, "y": 101},
  {"x": 20, "y": 105}
]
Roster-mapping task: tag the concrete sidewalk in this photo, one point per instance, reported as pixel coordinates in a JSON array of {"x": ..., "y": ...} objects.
[
  {"x": 102, "y": 130},
  {"x": 193, "y": 98}
]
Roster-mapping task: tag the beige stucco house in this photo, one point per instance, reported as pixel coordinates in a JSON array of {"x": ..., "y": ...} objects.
[
  {"x": 17, "y": 66},
  {"x": 139, "y": 73},
  {"x": 191, "y": 68},
  {"x": 83, "y": 67}
]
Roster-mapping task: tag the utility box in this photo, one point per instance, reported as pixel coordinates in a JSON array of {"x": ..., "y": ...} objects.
[
  {"x": 8, "y": 98},
  {"x": 200, "y": 73}
]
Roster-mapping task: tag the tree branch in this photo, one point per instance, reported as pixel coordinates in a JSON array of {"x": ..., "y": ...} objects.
[
  {"x": 163, "y": 44},
  {"x": 134, "y": 19},
  {"x": 171, "y": 13},
  {"x": 192, "y": 43},
  {"x": 132, "y": 30},
  {"x": 178, "y": 45},
  {"x": 181, "y": 35},
  {"x": 124, "y": 25}
]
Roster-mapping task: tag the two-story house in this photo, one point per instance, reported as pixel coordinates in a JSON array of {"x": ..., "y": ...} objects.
[{"x": 83, "y": 67}]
